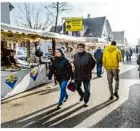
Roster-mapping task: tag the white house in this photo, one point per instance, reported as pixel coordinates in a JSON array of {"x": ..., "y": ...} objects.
[
  {"x": 6, "y": 7},
  {"x": 96, "y": 28}
]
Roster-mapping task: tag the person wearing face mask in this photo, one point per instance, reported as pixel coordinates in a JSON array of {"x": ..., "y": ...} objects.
[
  {"x": 83, "y": 64},
  {"x": 62, "y": 70}
]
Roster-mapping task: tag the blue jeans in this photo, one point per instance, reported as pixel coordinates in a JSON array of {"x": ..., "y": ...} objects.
[
  {"x": 99, "y": 70},
  {"x": 86, "y": 84},
  {"x": 63, "y": 93}
]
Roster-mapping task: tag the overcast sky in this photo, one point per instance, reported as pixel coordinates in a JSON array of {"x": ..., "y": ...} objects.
[{"x": 122, "y": 14}]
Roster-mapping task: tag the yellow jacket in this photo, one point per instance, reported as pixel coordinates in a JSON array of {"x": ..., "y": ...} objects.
[{"x": 111, "y": 57}]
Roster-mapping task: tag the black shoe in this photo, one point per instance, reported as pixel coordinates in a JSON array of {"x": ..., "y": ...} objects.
[
  {"x": 59, "y": 106},
  {"x": 99, "y": 76},
  {"x": 66, "y": 99},
  {"x": 86, "y": 104},
  {"x": 111, "y": 97},
  {"x": 116, "y": 95},
  {"x": 82, "y": 98}
]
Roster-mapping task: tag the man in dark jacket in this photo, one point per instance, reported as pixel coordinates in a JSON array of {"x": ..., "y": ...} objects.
[
  {"x": 138, "y": 62},
  {"x": 131, "y": 53},
  {"x": 84, "y": 64},
  {"x": 98, "y": 55}
]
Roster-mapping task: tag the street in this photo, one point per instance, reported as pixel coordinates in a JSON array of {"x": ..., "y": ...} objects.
[{"x": 37, "y": 108}]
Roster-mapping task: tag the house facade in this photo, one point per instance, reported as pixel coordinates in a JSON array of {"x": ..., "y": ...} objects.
[
  {"x": 98, "y": 27},
  {"x": 119, "y": 37},
  {"x": 6, "y": 7}
]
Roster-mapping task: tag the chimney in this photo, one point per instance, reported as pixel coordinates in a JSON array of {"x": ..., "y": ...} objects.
[{"x": 88, "y": 16}]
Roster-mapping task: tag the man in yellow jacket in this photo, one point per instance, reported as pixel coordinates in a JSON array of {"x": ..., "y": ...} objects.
[{"x": 111, "y": 59}]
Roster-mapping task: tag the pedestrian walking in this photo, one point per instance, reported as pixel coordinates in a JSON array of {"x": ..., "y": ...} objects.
[
  {"x": 138, "y": 62},
  {"x": 111, "y": 58},
  {"x": 123, "y": 54},
  {"x": 131, "y": 53},
  {"x": 84, "y": 64},
  {"x": 62, "y": 70},
  {"x": 127, "y": 55},
  {"x": 98, "y": 55}
]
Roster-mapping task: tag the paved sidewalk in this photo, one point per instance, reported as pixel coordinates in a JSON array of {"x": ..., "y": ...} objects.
[{"x": 38, "y": 107}]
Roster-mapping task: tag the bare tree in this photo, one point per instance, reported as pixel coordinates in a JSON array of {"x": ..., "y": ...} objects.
[
  {"x": 55, "y": 9},
  {"x": 32, "y": 16}
]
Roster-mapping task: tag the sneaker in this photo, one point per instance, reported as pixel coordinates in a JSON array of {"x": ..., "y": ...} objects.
[
  {"x": 116, "y": 95},
  {"x": 111, "y": 97}
]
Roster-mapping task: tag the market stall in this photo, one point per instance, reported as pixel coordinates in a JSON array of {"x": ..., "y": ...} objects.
[
  {"x": 16, "y": 82},
  {"x": 31, "y": 73}
]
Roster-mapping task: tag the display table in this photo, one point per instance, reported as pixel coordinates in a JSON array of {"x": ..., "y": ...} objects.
[{"x": 13, "y": 83}]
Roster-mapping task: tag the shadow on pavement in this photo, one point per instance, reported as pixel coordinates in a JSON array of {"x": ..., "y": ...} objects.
[
  {"x": 94, "y": 78},
  {"x": 49, "y": 91},
  {"x": 77, "y": 119},
  {"x": 41, "y": 92},
  {"x": 34, "y": 120},
  {"x": 127, "y": 115},
  {"x": 13, "y": 123},
  {"x": 131, "y": 74},
  {"x": 42, "y": 120}
]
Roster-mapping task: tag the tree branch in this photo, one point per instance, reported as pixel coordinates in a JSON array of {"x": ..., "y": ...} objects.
[
  {"x": 32, "y": 16},
  {"x": 56, "y": 8}
]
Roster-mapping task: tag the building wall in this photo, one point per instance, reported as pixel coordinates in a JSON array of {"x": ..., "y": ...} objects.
[
  {"x": 107, "y": 32},
  {"x": 5, "y": 13},
  {"x": 119, "y": 37}
]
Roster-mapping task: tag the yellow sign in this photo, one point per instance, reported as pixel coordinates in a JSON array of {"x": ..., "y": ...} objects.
[
  {"x": 11, "y": 78},
  {"x": 34, "y": 72},
  {"x": 74, "y": 24}
]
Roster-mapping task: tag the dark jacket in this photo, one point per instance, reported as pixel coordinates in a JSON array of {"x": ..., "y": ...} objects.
[
  {"x": 62, "y": 69},
  {"x": 138, "y": 60},
  {"x": 98, "y": 55},
  {"x": 84, "y": 64},
  {"x": 131, "y": 52}
]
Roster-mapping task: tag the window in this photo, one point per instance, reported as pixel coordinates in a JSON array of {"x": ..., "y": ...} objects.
[
  {"x": 77, "y": 33},
  {"x": 20, "y": 53},
  {"x": 74, "y": 33}
]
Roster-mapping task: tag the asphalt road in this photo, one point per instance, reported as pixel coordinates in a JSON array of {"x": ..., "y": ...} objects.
[{"x": 127, "y": 115}]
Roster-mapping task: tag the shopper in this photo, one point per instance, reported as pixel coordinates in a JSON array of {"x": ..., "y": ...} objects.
[
  {"x": 62, "y": 70},
  {"x": 83, "y": 64},
  {"x": 98, "y": 55},
  {"x": 111, "y": 59}
]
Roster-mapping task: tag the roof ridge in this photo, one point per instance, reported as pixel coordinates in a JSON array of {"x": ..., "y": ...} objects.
[{"x": 96, "y": 17}]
